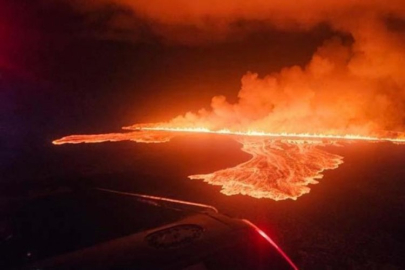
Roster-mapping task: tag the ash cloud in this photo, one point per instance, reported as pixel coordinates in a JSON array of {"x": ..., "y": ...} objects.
[{"x": 355, "y": 86}]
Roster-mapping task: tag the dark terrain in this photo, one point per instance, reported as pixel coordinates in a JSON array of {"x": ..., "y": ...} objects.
[{"x": 352, "y": 219}]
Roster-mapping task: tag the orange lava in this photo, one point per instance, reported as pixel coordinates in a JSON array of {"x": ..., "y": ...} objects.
[
  {"x": 278, "y": 170},
  {"x": 282, "y": 165},
  {"x": 282, "y": 135},
  {"x": 140, "y": 137}
]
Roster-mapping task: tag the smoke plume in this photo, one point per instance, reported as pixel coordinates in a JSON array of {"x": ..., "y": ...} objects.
[{"x": 354, "y": 85}]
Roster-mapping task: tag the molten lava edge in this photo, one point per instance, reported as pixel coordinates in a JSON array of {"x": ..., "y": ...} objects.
[
  {"x": 282, "y": 165},
  {"x": 278, "y": 170},
  {"x": 140, "y": 137}
]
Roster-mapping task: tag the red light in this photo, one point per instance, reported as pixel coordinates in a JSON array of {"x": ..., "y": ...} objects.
[{"x": 269, "y": 240}]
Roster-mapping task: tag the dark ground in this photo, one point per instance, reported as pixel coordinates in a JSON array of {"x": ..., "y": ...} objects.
[{"x": 352, "y": 219}]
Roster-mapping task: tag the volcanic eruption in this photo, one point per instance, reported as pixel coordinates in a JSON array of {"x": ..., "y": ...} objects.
[{"x": 352, "y": 89}]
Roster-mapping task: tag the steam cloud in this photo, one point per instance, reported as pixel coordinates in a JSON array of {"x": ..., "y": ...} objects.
[{"x": 355, "y": 86}]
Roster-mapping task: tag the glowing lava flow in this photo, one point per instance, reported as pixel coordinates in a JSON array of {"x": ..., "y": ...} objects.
[
  {"x": 140, "y": 137},
  {"x": 283, "y": 135},
  {"x": 278, "y": 170},
  {"x": 282, "y": 165}
]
